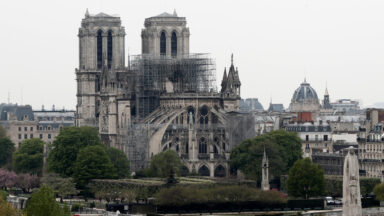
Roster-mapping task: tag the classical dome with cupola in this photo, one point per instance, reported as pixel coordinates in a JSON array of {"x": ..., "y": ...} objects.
[{"x": 305, "y": 99}]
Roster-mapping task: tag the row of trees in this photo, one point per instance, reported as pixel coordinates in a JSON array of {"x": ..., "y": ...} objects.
[
  {"x": 78, "y": 152},
  {"x": 9, "y": 179},
  {"x": 77, "y": 155}
]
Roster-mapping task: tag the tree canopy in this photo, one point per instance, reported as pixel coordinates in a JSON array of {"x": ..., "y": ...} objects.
[
  {"x": 306, "y": 179},
  {"x": 120, "y": 162},
  {"x": 29, "y": 157},
  {"x": 43, "y": 203},
  {"x": 165, "y": 164},
  {"x": 63, "y": 187},
  {"x": 92, "y": 163},
  {"x": 379, "y": 192},
  {"x": 7, "y": 147},
  {"x": 282, "y": 148},
  {"x": 67, "y": 145}
]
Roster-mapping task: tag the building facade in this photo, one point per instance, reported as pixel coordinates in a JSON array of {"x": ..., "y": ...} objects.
[
  {"x": 165, "y": 98},
  {"x": 22, "y": 123}
]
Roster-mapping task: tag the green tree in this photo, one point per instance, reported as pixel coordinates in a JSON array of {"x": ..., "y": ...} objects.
[
  {"x": 6, "y": 150},
  {"x": 282, "y": 148},
  {"x": 120, "y": 162},
  {"x": 305, "y": 179},
  {"x": 92, "y": 163},
  {"x": 43, "y": 203},
  {"x": 379, "y": 192},
  {"x": 368, "y": 184},
  {"x": 67, "y": 145},
  {"x": 165, "y": 164},
  {"x": 29, "y": 157},
  {"x": 63, "y": 187}
]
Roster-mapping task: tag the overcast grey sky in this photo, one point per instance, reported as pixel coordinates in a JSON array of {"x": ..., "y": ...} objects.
[{"x": 276, "y": 43}]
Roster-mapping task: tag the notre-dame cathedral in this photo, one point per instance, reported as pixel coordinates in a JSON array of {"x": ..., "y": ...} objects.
[{"x": 164, "y": 98}]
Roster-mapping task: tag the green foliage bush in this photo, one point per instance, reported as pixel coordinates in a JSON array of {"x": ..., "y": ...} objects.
[
  {"x": 7, "y": 147},
  {"x": 29, "y": 157},
  {"x": 283, "y": 149},
  {"x": 67, "y": 145},
  {"x": 305, "y": 179},
  {"x": 92, "y": 163},
  {"x": 120, "y": 162},
  {"x": 3, "y": 194},
  {"x": 183, "y": 195},
  {"x": 164, "y": 164},
  {"x": 379, "y": 192},
  {"x": 43, "y": 203}
]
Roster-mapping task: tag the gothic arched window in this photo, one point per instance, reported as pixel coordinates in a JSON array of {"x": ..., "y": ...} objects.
[
  {"x": 202, "y": 146},
  {"x": 99, "y": 49},
  {"x": 174, "y": 44},
  {"x": 204, "y": 115},
  {"x": 109, "y": 48},
  {"x": 163, "y": 44}
]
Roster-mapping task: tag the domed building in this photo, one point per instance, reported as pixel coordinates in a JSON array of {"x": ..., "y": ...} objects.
[{"x": 305, "y": 99}]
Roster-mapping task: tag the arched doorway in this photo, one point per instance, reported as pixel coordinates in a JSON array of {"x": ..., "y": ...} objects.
[
  {"x": 204, "y": 171},
  {"x": 220, "y": 171}
]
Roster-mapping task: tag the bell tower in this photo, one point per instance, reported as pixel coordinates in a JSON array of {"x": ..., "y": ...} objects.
[
  {"x": 100, "y": 36},
  {"x": 165, "y": 35}
]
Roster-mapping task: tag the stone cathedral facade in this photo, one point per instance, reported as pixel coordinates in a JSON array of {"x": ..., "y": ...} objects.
[{"x": 164, "y": 98}]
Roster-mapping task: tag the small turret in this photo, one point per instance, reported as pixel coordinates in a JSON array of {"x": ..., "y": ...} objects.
[{"x": 265, "y": 172}]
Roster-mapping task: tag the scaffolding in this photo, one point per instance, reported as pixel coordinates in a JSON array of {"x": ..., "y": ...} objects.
[
  {"x": 192, "y": 73},
  {"x": 152, "y": 76}
]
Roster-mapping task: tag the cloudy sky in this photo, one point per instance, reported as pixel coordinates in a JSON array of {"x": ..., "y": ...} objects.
[{"x": 276, "y": 43}]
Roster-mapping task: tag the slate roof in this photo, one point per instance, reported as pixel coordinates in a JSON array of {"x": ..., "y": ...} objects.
[
  {"x": 15, "y": 110},
  {"x": 305, "y": 93},
  {"x": 276, "y": 108}
]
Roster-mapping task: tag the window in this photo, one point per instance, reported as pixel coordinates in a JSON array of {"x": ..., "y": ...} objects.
[
  {"x": 31, "y": 128},
  {"x": 202, "y": 146},
  {"x": 31, "y": 136},
  {"x": 316, "y": 137},
  {"x": 109, "y": 42},
  {"x": 25, "y": 136},
  {"x": 49, "y": 136},
  {"x": 174, "y": 44},
  {"x": 19, "y": 128},
  {"x": 204, "y": 115},
  {"x": 186, "y": 148},
  {"x": 307, "y": 146},
  {"x": 19, "y": 136},
  {"x": 306, "y": 137},
  {"x": 325, "y": 137},
  {"x": 99, "y": 49},
  {"x": 41, "y": 136},
  {"x": 163, "y": 44},
  {"x": 25, "y": 128}
]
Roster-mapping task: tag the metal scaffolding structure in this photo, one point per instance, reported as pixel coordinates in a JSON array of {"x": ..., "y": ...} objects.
[{"x": 192, "y": 73}]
